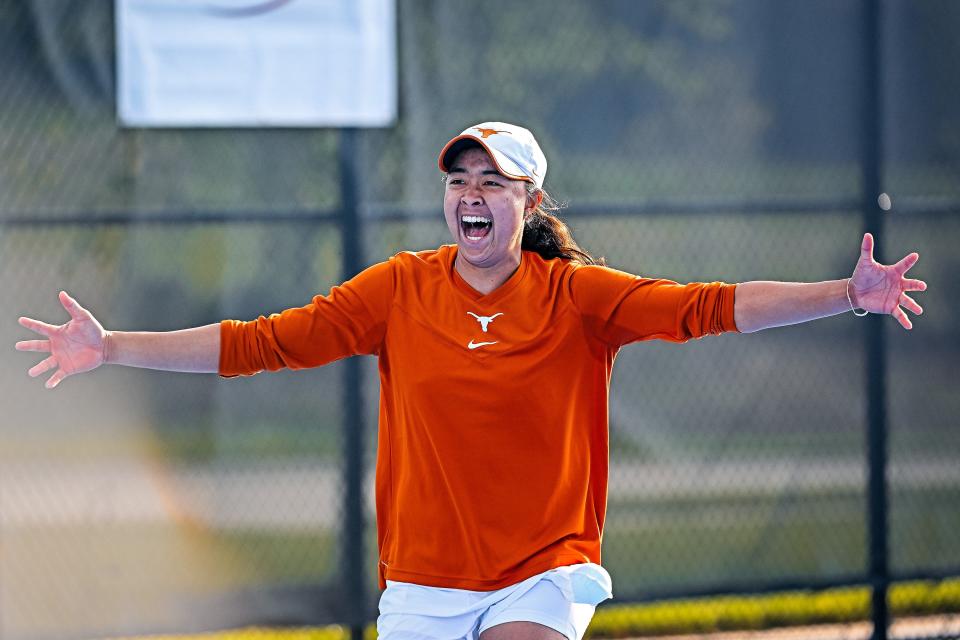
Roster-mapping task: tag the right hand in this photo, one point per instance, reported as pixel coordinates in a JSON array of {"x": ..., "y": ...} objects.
[{"x": 74, "y": 347}]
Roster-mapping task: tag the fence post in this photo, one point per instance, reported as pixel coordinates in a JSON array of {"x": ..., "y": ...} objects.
[
  {"x": 352, "y": 570},
  {"x": 876, "y": 362}
]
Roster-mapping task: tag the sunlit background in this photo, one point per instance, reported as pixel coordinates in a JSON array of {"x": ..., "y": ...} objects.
[{"x": 694, "y": 140}]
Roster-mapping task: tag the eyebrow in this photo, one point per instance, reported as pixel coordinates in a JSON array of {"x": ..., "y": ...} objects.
[{"x": 485, "y": 172}]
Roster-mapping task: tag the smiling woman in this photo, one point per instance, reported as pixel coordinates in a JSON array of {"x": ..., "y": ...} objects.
[
  {"x": 484, "y": 212},
  {"x": 495, "y": 205},
  {"x": 495, "y": 356}
]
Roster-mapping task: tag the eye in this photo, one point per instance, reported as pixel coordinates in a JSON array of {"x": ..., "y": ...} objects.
[
  {"x": 454, "y": 180},
  {"x": 493, "y": 183}
]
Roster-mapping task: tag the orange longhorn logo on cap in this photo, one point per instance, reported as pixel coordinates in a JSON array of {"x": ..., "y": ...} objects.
[{"x": 486, "y": 133}]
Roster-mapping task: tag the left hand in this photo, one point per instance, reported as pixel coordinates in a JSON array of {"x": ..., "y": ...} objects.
[{"x": 879, "y": 288}]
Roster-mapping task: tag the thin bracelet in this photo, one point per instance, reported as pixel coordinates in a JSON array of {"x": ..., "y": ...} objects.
[{"x": 852, "y": 308}]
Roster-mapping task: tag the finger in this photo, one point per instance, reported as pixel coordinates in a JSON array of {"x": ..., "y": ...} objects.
[
  {"x": 55, "y": 379},
  {"x": 866, "y": 247},
  {"x": 39, "y": 327},
  {"x": 45, "y": 365},
  {"x": 914, "y": 285},
  {"x": 910, "y": 304},
  {"x": 901, "y": 318},
  {"x": 73, "y": 307},
  {"x": 33, "y": 345},
  {"x": 906, "y": 262}
]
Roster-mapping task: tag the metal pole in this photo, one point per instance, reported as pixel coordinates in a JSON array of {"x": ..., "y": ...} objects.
[
  {"x": 353, "y": 526},
  {"x": 876, "y": 362}
]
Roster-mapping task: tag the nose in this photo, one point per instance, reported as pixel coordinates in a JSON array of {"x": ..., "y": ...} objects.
[{"x": 471, "y": 197}]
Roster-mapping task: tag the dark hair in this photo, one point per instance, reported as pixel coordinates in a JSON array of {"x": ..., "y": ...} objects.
[{"x": 547, "y": 234}]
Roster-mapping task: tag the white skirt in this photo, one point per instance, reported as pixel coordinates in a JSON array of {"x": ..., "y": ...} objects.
[{"x": 563, "y": 599}]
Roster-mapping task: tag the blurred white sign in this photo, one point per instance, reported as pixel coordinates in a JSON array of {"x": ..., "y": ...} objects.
[{"x": 227, "y": 63}]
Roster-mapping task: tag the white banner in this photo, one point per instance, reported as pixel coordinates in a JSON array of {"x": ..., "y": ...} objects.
[{"x": 237, "y": 63}]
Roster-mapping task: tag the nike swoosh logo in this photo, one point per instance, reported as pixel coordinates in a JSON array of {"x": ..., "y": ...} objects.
[{"x": 473, "y": 345}]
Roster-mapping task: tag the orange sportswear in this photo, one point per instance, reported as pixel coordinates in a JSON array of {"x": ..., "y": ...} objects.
[{"x": 493, "y": 453}]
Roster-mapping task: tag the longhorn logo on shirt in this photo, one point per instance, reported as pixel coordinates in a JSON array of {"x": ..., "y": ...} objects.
[
  {"x": 486, "y": 133},
  {"x": 484, "y": 320}
]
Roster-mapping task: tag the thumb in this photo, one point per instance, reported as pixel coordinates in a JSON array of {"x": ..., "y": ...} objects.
[
  {"x": 866, "y": 247},
  {"x": 73, "y": 307}
]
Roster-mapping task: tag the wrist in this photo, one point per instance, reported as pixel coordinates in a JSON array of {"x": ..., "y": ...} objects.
[
  {"x": 851, "y": 299},
  {"x": 107, "y": 352}
]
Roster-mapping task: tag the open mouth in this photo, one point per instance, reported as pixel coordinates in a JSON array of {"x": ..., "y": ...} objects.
[{"x": 475, "y": 227}]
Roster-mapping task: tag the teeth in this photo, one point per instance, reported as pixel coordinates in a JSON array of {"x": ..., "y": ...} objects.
[{"x": 476, "y": 220}]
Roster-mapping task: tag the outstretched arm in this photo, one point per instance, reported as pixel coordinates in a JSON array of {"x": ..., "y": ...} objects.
[
  {"x": 873, "y": 287},
  {"x": 82, "y": 344}
]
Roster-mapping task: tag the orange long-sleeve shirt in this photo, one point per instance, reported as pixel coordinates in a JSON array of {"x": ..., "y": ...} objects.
[{"x": 493, "y": 451}]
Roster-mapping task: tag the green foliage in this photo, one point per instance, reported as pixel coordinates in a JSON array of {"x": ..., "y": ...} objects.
[{"x": 726, "y": 613}]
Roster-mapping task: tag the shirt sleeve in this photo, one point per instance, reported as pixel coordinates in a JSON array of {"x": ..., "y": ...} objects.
[
  {"x": 619, "y": 307},
  {"x": 350, "y": 320}
]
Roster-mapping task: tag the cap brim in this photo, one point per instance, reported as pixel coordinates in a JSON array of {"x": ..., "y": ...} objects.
[{"x": 503, "y": 164}]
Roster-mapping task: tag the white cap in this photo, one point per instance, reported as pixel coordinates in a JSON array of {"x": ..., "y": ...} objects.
[{"x": 513, "y": 150}]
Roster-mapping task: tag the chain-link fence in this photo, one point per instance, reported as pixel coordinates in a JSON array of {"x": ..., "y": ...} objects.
[{"x": 693, "y": 140}]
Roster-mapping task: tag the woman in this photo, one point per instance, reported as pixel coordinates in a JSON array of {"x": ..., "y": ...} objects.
[{"x": 495, "y": 356}]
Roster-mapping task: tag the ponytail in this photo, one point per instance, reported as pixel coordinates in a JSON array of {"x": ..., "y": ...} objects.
[{"x": 546, "y": 234}]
